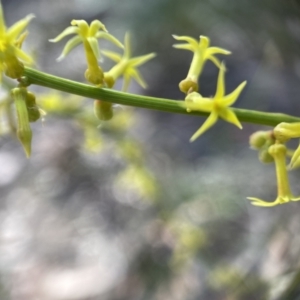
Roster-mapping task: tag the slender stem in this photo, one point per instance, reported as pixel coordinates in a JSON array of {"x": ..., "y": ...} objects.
[{"x": 167, "y": 105}]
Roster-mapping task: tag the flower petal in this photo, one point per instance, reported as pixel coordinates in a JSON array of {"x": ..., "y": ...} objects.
[
  {"x": 229, "y": 116},
  {"x": 137, "y": 61},
  {"x": 72, "y": 43},
  {"x": 216, "y": 61},
  {"x": 94, "y": 45},
  {"x": 210, "y": 121},
  {"x": 83, "y": 27},
  {"x": 112, "y": 55},
  {"x": 286, "y": 131},
  {"x": 294, "y": 158},
  {"x": 232, "y": 97},
  {"x": 220, "y": 84},
  {"x": 193, "y": 42},
  {"x": 109, "y": 37},
  {"x": 184, "y": 47},
  {"x": 95, "y": 26},
  {"x": 216, "y": 50},
  {"x": 22, "y": 55},
  {"x": 15, "y": 30},
  {"x": 2, "y": 22},
  {"x": 204, "y": 42},
  {"x": 127, "y": 46},
  {"x": 138, "y": 77},
  {"x": 260, "y": 202},
  {"x": 67, "y": 31}
]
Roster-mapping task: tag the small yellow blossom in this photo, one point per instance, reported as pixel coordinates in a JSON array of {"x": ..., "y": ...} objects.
[
  {"x": 202, "y": 53},
  {"x": 11, "y": 39},
  {"x": 278, "y": 151},
  {"x": 126, "y": 66},
  {"x": 286, "y": 131},
  {"x": 88, "y": 35},
  {"x": 217, "y": 106}
]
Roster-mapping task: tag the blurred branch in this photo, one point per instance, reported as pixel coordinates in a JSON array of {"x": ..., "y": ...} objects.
[{"x": 167, "y": 105}]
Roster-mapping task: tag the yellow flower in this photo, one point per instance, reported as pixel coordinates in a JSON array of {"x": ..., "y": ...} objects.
[
  {"x": 202, "y": 52},
  {"x": 88, "y": 35},
  {"x": 217, "y": 106},
  {"x": 278, "y": 151},
  {"x": 126, "y": 66},
  {"x": 286, "y": 131},
  {"x": 11, "y": 55}
]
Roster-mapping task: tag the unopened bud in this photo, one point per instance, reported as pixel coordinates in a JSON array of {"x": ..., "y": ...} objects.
[
  {"x": 109, "y": 80},
  {"x": 265, "y": 157},
  {"x": 94, "y": 76},
  {"x": 188, "y": 86},
  {"x": 259, "y": 139},
  {"x": 24, "y": 132},
  {"x": 103, "y": 110},
  {"x": 33, "y": 110}
]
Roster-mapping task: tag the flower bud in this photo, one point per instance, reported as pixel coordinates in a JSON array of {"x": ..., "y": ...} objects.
[
  {"x": 277, "y": 150},
  {"x": 32, "y": 109},
  {"x": 109, "y": 80},
  {"x": 188, "y": 86},
  {"x": 265, "y": 157},
  {"x": 103, "y": 110},
  {"x": 24, "y": 132},
  {"x": 259, "y": 139},
  {"x": 94, "y": 76}
]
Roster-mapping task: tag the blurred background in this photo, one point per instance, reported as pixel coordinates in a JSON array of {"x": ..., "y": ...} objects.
[{"x": 129, "y": 209}]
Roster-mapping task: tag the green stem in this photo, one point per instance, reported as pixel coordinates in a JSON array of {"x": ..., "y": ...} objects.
[{"x": 167, "y": 105}]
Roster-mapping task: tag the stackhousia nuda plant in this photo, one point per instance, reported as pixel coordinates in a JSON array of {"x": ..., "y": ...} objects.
[{"x": 15, "y": 63}]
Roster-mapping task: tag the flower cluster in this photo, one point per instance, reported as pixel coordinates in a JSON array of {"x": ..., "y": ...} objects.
[
  {"x": 271, "y": 146},
  {"x": 219, "y": 105},
  {"x": 125, "y": 65}
]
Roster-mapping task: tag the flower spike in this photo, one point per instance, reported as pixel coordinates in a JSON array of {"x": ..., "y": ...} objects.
[
  {"x": 202, "y": 52},
  {"x": 126, "y": 66},
  {"x": 218, "y": 106},
  {"x": 278, "y": 151}
]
